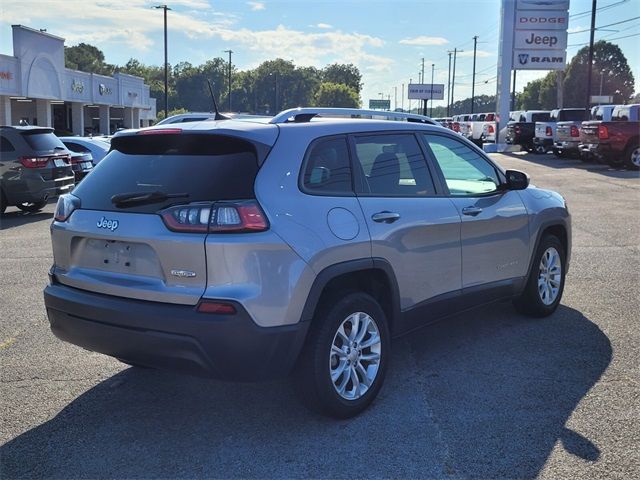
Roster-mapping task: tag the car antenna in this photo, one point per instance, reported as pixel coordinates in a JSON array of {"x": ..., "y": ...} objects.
[{"x": 218, "y": 116}]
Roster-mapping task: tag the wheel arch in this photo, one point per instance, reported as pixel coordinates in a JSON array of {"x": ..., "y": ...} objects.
[
  {"x": 559, "y": 230},
  {"x": 374, "y": 276}
]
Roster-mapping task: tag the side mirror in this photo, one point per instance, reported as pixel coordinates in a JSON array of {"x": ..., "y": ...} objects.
[{"x": 516, "y": 180}]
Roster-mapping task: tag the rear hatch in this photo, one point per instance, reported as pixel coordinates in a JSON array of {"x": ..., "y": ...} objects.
[
  {"x": 568, "y": 131},
  {"x": 589, "y": 132},
  {"x": 141, "y": 218},
  {"x": 545, "y": 130},
  {"x": 47, "y": 153}
]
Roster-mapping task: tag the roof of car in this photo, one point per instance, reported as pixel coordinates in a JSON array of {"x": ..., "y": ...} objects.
[{"x": 25, "y": 128}]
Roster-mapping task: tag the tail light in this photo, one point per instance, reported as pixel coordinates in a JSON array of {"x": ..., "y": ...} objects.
[
  {"x": 574, "y": 131},
  {"x": 603, "y": 132},
  {"x": 549, "y": 132},
  {"x": 491, "y": 129},
  {"x": 220, "y": 217},
  {"x": 517, "y": 129},
  {"x": 34, "y": 162},
  {"x": 216, "y": 306},
  {"x": 66, "y": 205}
]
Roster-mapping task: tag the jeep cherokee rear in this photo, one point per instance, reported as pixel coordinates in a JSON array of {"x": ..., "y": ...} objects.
[{"x": 246, "y": 250}]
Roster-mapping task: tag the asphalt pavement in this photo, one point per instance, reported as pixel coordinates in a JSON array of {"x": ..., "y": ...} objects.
[{"x": 487, "y": 394}]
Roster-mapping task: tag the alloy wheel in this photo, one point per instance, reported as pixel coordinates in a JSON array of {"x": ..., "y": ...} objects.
[{"x": 549, "y": 276}]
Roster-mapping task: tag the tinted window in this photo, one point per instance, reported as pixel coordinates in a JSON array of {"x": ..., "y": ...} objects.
[
  {"x": 573, "y": 115},
  {"x": 540, "y": 117},
  {"x": 206, "y": 167},
  {"x": 43, "y": 141},
  {"x": 621, "y": 115},
  {"x": 6, "y": 145},
  {"x": 327, "y": 167},
  {"x": 393, "y": 165},
  {"x": 464, "y": 170},
  {"x": 76, "y": 147}
]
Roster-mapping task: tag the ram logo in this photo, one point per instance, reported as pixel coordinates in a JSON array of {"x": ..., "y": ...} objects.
[{"x": 523, "y": 58}]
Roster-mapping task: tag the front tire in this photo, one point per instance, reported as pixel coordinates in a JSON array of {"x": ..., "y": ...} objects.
[
  {"x": 344, "y": 362},
  {"x": 632, "y": 157},
  {"x": 545, "y": 284},
  {"x": 32, "y": 206}
]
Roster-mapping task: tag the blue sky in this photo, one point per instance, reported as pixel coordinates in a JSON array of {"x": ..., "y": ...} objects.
[{"x": 385, "y": 39}]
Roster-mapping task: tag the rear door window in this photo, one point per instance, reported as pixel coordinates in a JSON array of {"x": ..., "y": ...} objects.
[
  {"x": 327, "y": 170},
  {"x": 202, "y": 167},
  {"x": 621, "y": 115},
  {"x": 573, "y": 115}
]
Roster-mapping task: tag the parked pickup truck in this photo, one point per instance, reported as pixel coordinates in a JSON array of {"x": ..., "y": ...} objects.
[
  {"x": 567, "y": 137},
  {"x": 615, "y": 142},
  {"x": 546, "y": 131},
  {"x": 521, "y": 129},
  {"x": 599, "y": 112}
]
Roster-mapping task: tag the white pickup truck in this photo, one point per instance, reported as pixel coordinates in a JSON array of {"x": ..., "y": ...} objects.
[{"x": 545, "y": 133}]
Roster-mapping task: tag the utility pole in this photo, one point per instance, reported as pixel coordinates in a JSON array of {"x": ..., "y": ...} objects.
[
  {"x": 395, "y": 98},
  {"x": 410, "y": 83},
  {"x": 473, "y": 81},
  {"x": 449, "y": 85},
  {"x": 424, "y": 101},
  {"x": 402, "y": 98},
  {"x": 453, "y": 79},
  {"x": 229, "y": 52},
  {"x": 513, "y": 91},
  {"x": 590, "y": 70},
  {"x": 166, "y": 62},
  {"x": 433, "y": 69}
]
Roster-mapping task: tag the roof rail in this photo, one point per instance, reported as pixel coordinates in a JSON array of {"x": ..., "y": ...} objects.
[{"x": 300, "y": 115}]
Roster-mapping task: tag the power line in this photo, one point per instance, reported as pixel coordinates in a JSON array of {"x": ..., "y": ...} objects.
[
  {"x": 610, "y": 25},
  {"x": 606, "y": 7}
]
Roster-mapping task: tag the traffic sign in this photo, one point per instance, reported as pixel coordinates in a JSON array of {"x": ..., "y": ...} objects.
[{"x": 379, "y": 104}]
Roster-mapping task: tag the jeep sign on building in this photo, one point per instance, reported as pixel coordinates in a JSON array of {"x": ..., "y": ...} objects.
[{"x": 540, "y": 35}]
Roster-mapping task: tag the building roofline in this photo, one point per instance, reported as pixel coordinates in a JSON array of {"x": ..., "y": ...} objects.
[{"x": 37, "y": 31}]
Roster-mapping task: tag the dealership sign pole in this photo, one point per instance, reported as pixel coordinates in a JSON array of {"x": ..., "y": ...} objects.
[{"x": 533, "y": 36}]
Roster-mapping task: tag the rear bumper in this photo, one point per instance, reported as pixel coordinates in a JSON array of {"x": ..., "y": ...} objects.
[
  {"x": 545, "y": 142},
  {"x": 568, "y": 146},
  {"x": 33, "y": 190},
  {"x": 173, "y": 337}
]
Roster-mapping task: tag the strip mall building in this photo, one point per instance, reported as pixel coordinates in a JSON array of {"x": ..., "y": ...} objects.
[{"x": 35, "y": 87}]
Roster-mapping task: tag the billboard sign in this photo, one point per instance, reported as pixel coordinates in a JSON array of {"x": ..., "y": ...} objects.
[
  {"x": 540, "y": 40},
  {"x": 539, "y": 60},
  {"x": 379, "y": 104},
  {"x": 425, "y": 91},
  {"x": 543, "y": 5}
]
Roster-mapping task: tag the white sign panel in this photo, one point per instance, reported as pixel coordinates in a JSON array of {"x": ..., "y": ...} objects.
[
  {"x": 425, "y": 91},
  {"x": 539, "y": 60},
  {"x": 541, "y": 40},
  {"x": 541, "y": 20},
  {"x": 542, "y": 5}
]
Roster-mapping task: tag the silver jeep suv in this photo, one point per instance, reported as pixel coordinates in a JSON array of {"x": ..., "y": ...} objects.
[{"x": 250, "y": 249}]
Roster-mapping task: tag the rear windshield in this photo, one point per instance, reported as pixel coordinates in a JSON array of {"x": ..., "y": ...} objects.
[
  {"x": 204, "y": 167},
  {"x": 42, "y": 141},
  {"x": 540, "y": 117},
  {"x": 572, "y": 115},
  {"x": 621, "y": 114}
]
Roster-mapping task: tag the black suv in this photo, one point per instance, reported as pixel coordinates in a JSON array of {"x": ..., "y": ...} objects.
[{"x": 34, "y": 166}]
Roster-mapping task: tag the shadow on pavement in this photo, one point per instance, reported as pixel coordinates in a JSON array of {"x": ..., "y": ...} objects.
[
  {"x": 18, "y": 218},
  {"x": 485, "y": 395}
]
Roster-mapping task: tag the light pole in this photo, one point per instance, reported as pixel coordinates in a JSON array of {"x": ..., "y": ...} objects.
[
  {"x": 275, "y": 77},
  {"x": 433, "y": 69},
  {"x": 166, "y": 62},
  {"x": 229, "y": 52},
  {"x": 473, "y": 78}
]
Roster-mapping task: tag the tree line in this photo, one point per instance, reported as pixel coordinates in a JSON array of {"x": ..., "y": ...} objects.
[{"x": 273, "y": 86}]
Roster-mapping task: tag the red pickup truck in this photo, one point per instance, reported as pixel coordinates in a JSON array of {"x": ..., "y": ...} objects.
[{"x": 615, "y": 142}]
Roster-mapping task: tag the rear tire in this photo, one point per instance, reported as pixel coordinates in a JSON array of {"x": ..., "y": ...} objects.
[
  {"x": 540, "y": 149},
  {"x": 545, "y": 284},
  {"x": 32, "y": 206},
  {"x": 3, "y": 202},
  {"x": 344, "y": 361},
  {"x": 632, "y": 157}
]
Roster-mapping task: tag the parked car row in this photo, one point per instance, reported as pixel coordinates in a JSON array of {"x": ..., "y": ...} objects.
[
  {"x": 36, "y": 165},
  {"x": 607, "y": 133},
  {"x": 478, "y": 127}
]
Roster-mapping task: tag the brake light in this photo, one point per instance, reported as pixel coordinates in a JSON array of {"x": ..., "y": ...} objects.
[
  {"x": 221, "y": 217},
  {"x": 215, "y": 306},
  {"x": 517, "y": 129},
  {"x": 491, "y": 129},
  {"x": 66, "y": 205},
  {"x": 34, "y": 162},
  {"x": 603, "y": 132},
  {"x": 160, "y": 131},
  {"x": 549, "y": 132},
  {"x": 574, "y": 131}
]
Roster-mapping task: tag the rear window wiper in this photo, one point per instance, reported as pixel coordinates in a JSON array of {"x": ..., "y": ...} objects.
[{"x": 122, "y": 200}]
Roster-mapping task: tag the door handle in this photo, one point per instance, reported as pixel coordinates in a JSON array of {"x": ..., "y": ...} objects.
[
  {"x": 471, "y": 211},
  {"x": 385, "y": 217}
]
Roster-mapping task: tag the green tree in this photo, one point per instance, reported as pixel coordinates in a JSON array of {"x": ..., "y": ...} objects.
[
  {"x": 548, "y": 95},
  {"x": 529, "y": 99},
  {"x": 608, "y": 59},
  {"x": 336, "y": 95},
  {"x": 86, "y": 58},
  {"x": 346, "y": 74}
]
